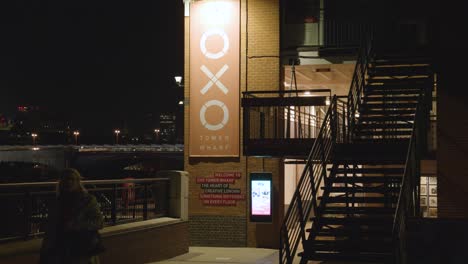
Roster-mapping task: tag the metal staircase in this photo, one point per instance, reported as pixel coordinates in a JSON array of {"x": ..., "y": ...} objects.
[{"x": 360, "y": 183}]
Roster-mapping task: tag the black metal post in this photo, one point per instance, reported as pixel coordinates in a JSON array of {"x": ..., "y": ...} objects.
[
  {"x": 145, "y": 201},
  {"x": 114, "y": 205},
  {"x": 27, "y": 214}
]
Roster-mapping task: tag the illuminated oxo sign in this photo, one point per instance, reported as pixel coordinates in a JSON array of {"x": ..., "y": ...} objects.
[{"x": 214, "y": 79}]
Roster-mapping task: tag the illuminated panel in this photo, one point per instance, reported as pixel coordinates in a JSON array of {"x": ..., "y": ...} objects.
[
  {"x": 214, "y": 79},
  {"x": 261, "y": 198}
]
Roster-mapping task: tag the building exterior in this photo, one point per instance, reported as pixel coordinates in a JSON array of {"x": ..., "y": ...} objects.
[
  {"x": 268, "y": 45},
  {"x": 167, "y": 124}
]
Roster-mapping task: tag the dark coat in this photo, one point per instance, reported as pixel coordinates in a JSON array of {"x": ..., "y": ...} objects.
[{"x": 72, "y": 222}]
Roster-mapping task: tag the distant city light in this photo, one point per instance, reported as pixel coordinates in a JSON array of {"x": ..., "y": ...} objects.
[{"x": 181, "y": 102}]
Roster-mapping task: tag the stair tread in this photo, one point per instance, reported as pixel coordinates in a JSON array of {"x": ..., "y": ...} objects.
[
  {"x": 368, "y": 179},
  {"x": 351, "y": 199},
  {"x": 406, "y": 63},
  {"x": 390, "y": 98},
  {"x": 397, "y": 70},
  {"x": 389, "y": 105},
  {"x": 386, "y": 118},
  {"x": 387, "y": 90},
  {"x": 386, "y": 112},
  {"x": 361, "y": 189},
  {"x": 350, "y": 256},
  {"x": 383, "y": 133},
  {"x": 385, "y": 126},
  {"x": 371, "y": 170},
  {"x": 417, "y": 81},
  {"x": 343, "y": 231}
]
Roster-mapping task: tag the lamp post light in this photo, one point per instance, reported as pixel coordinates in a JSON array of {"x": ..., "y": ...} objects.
[
  {"x": 34, "y": 135},
  {"x": 117, "y": 132},
  {"x": 178, "y": 80},
  {"x": 76, "y": 134},
  {"x": 156, "y": 132}
]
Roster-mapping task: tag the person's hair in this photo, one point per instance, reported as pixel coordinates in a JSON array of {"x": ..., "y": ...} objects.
[{"x": 70, "y": 173}]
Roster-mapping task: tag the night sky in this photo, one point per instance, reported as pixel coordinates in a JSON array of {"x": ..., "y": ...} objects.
[{"x": 97, "y": 62}]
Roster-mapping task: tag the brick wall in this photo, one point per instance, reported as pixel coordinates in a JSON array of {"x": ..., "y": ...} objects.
[
  {"x": 259, "y": 70},
  {"x": 217, "y": 230},
  {"x": 452, "y": 154}
]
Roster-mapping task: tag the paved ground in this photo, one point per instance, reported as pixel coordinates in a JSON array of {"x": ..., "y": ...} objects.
[{"x": 208, "y": 255}]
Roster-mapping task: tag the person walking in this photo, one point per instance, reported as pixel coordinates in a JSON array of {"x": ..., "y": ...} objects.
[{"x": 74, "y": 219}]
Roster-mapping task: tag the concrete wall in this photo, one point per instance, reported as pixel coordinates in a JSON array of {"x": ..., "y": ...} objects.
[{"x": 136, "y": 243}]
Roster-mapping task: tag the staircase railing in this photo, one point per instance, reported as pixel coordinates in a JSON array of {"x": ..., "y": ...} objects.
[
  {"x": 358, "y": 83},
  {"x": 337, "y": 126},
  {"x": 304, "y": 201},
  {"x": 408, "y": 200}
]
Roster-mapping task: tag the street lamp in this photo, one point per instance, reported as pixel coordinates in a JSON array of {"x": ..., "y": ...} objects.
[
  {"x": 34, "y": 135},
  {"x": 76, "y": 134},
  {"x": 156, "y": 132},
  {"x": 116, "y": 136},
  {"x": 178, "y": 80}
]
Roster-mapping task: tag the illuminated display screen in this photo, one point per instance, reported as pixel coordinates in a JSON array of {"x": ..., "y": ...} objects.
[{"x": 261, "y": 197}]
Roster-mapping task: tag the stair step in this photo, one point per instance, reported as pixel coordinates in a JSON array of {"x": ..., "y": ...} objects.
[
  {"x": 388, "y": 105},
  {"x": 387, "y": 140},
  {"x": 355, "y": 256},
  {"x": 383, "y": 61},
  {"x": 413, "y": 82},
  {"x": 350, "y": 231},
  {"x": 367, "y": 179},
  {"x": 358, "y": 222},
  {"x": 357, "y": 210},
  {"x": 398, "y": 70},
  {"x": 386, "y": 112},
  {"x": 388, "y": 133},
  {"x": 385, "y": 118},
  {"x": 351, "y": 199},
  {"x": 356, "y": 245},
  {"x": 364, "y": 189},
  {"x": 401, "y": 54},
  {"x": 385, "y": 126},
  {"x": 390, "y": 90},
  {"x": 394, "y": 171},
  {"x": 390, "y": 98}
]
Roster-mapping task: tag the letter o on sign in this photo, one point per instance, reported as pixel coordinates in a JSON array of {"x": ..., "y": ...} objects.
[
  {"x": 225, "y": 115},
  {"x": 209, "y": 33}
]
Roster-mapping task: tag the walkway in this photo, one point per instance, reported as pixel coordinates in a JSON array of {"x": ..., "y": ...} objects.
[{"x": 223, "y": 255}]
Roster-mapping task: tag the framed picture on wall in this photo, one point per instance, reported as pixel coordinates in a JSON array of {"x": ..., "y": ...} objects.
[
  {"x": 423, "y": 201},
  {"x": 432, "y": 212},
  {"x": 424, "y": 211},
  {"x": 432, "y": 189},
  {"x": 423, "y": 179},
  {"x": 433, "y": 201},
  {"x": 424, "y": 190}
]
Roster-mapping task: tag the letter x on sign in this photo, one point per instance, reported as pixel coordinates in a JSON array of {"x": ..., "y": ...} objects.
[{"x": 214, "y": 79}]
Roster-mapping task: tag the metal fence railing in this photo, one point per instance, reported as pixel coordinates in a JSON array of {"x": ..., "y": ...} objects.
[{"x": 25, "y": 206}]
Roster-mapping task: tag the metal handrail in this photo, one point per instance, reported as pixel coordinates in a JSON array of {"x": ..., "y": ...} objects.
[
  {"x": 304, "y": 200},
  {"x": 26, "y": 205},
  {"x": 358, "y": 83},
  {"x": 408, "y": 199},
  {"x": 85, "y": 182}
]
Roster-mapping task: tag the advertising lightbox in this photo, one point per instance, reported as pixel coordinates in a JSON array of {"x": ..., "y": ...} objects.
[{"x": 261, "y": 197}]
